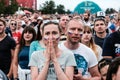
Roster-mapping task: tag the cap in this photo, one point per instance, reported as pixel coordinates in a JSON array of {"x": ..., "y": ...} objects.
[
  {"x": 39, "y": 18},
  {"x": 100, "y": 14}
]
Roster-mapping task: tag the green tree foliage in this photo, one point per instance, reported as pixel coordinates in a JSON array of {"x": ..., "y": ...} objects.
[
  {"x": 68, "y": 11},
  {"x": 11, "y": 9},
  {"x": 2, "y": 6},
  {"x": 60, "y": 9},
  {"x": 8, "y": 9},
  {"x": 110, "y": 11},
  {"x": 49, "y": 7}
]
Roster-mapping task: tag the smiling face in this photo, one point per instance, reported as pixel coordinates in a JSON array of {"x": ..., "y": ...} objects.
[
  {"x": 13, "y": 25},
  {"x": 51, "y": 32},
  {"x": 28, "y": 36}
]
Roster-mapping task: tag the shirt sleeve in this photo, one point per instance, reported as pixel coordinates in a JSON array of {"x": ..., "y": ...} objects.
[
  {"x": 71, "y": 60},
  {"x": 99, "y": 49},
  {"x": 13, "y": 43},
  {"x": 92, "y": 59},
  {"x": 33, "y": 59},
  {"x": 32, "y": 49}
]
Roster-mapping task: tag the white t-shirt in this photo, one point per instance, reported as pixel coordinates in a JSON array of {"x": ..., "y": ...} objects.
[{"x": 84, "y": 56}]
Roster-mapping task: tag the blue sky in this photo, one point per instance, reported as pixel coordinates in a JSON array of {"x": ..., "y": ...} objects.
[{"x": 71, "y": 4}]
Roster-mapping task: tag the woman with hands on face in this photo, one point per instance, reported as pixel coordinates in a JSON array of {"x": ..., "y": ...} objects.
[{"x": 52, "y": 63}]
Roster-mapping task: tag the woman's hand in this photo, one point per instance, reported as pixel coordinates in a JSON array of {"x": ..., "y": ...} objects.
[
  {"x": 52, "y": 52},
  {"x": 9, "y": 75},
  {"x": 47, "y": 51}
]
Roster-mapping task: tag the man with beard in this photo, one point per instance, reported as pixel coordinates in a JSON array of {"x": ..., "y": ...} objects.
[
  {"x": 100, "y": 31},
  {"x": 84, "y": 56},
  {"x": 86, "y": 18},
  {"x": 7, "y": 46}
]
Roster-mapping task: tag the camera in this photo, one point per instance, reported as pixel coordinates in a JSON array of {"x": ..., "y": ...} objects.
[{"x": 75, "y": 70}]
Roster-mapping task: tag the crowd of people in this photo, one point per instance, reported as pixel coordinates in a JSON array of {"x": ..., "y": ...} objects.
[{"x": 60, "y": 47}]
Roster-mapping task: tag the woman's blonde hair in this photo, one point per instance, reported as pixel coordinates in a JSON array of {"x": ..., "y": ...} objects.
[{"x": 92, "y": 44}]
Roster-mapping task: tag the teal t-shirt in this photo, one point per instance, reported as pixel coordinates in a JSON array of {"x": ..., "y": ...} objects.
[{"x": 35, "y": 46}]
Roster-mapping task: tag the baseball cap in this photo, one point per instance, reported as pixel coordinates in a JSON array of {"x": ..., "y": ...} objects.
[
  {"x": 39, "y": 18},
  {"x": 100, "y": 14}
]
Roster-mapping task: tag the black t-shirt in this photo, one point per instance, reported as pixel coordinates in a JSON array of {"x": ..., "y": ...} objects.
[
  {"x": 99, "y": 41},
  {"x": 6, "y": 45},
  {"x": 111, "y": 46}
]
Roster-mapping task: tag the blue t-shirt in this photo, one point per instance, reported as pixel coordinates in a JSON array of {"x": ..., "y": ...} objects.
[{"x": 23, "y": 57}]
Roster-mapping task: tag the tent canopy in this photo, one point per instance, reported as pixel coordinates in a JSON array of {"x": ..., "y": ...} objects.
[{"x": 87, "y": 5}]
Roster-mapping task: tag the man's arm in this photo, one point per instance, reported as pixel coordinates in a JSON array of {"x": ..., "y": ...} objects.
[
  {"x": 9, "y": 75},
  {"x": 107, "y": 57},
  {"x": 95, "y": 75}
]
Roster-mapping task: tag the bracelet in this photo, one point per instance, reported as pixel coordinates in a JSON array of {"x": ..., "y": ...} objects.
[{"x": 16, "y": 78}]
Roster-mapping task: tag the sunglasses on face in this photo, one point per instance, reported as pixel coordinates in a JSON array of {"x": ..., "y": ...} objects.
[{"x": 13, "y": 24}]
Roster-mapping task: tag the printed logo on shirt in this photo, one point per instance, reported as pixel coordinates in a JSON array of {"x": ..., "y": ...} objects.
[
  {"x": 82, "y": 64},
  {"x": 52, "y": 73},
  {"x": 117, "y": 49}
]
